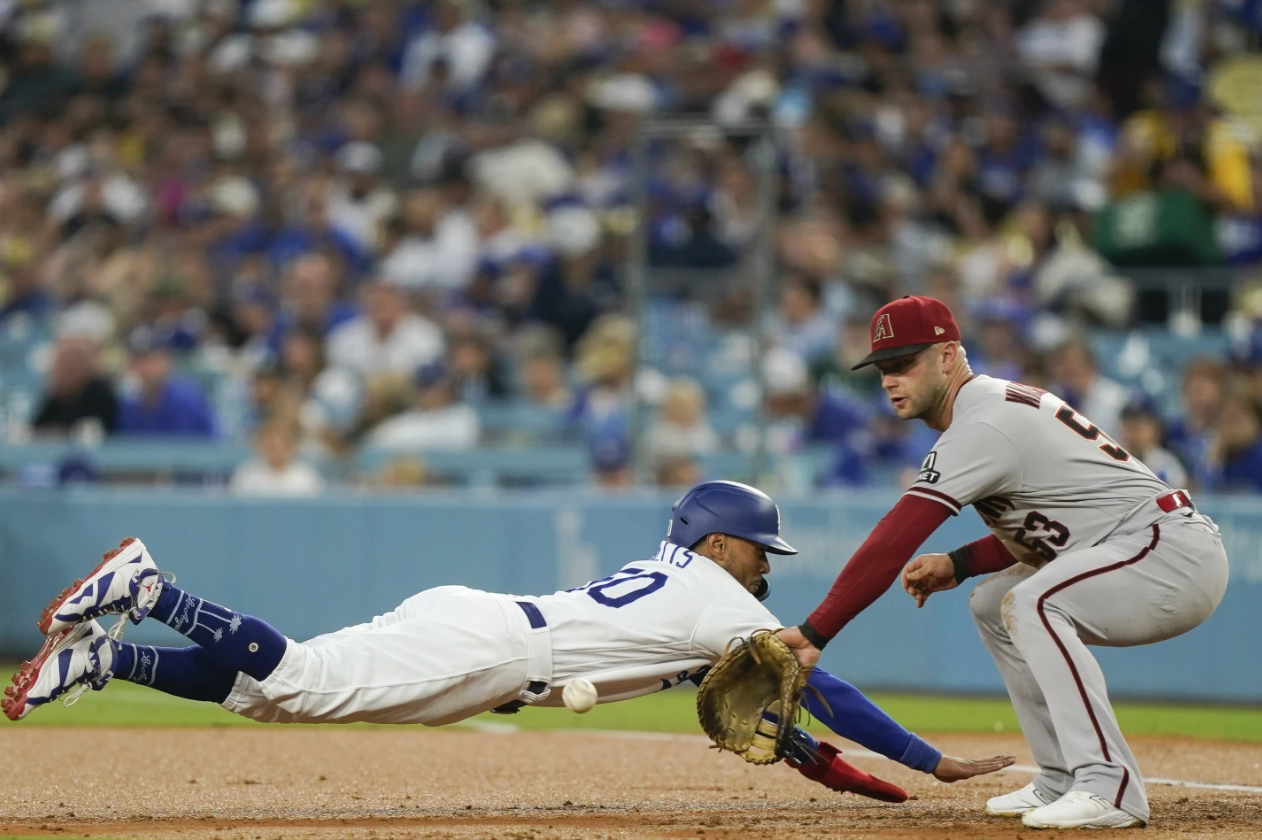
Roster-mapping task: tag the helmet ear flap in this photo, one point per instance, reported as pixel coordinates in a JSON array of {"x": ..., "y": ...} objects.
[{"x": 764, "y": 589}]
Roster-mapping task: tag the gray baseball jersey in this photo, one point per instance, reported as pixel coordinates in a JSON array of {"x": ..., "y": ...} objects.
[
  {"x": 1127, "y": 571},
  {"x": 1043, "y": 478}
]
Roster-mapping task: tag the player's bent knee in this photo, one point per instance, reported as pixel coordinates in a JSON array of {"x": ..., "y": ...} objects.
[
  {"x": 984, "y": 603},
  {"x": 1007, "y": 612},
  {"x": 1020, "y": 605}
]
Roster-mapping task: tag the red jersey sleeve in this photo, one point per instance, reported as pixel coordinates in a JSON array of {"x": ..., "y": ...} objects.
[{"x": 875, "y": 565}]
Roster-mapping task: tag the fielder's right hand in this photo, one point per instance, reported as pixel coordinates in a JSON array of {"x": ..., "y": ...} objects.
[{"x": 927, "y": 574}]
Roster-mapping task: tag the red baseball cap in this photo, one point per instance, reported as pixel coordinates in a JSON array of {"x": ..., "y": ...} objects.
[{"x": 908, "y": 325}]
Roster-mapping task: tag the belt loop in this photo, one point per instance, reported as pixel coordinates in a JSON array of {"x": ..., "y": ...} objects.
[
  {"x": 538, "y": 654},
  {"x": 532, "y": 612}
]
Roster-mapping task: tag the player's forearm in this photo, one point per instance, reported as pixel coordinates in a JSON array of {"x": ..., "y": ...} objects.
[
  {"x": 981, "y": 557},
  {"x": 875, "y": 566},
  {"x": 852, "y": 715}
]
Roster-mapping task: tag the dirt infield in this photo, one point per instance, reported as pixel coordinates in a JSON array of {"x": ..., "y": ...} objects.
[{"x": 276, "y": 782}]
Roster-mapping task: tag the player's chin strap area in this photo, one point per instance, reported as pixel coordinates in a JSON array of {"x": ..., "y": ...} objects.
[{"x": 538, "y": 661}]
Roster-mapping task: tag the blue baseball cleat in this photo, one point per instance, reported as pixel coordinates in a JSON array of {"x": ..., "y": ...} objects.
[
  {"x": 82, "y": 656},
  {"x": 126, "y": 581}
]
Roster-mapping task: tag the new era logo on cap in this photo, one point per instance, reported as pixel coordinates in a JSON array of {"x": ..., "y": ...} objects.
[{"x": 909, "y": 325}]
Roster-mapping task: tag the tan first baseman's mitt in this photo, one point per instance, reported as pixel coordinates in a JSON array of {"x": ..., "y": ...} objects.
[{"x": 748, "y": 702}]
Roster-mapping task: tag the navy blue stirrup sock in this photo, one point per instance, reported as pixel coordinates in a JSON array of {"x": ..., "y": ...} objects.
[
  {"x": 183, "y": 672},
  {"x": 233, "y": 641}
]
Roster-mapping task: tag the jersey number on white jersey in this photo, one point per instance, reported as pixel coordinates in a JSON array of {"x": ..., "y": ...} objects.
[{"x": 625, "y": 586}]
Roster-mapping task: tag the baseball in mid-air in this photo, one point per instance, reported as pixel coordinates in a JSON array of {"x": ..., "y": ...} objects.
[{"x": 579, "y": 695}]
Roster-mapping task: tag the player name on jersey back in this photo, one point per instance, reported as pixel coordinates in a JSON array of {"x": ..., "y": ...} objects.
[
  {"x": 1043, "y": 478},
  {"x": 651, "y": 625}
]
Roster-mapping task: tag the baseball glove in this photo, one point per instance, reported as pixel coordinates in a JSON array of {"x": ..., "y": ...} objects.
[{"x": 748, "y": 702}]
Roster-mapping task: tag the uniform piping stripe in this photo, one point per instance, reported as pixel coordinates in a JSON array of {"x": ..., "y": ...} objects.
[
  {"x": 938, "y": 496},
  {"x": 990, "y": 509},
  {"x": 135, "y": 662},
  {"x": 1073, "y": 669},
  {"x": 175, "y": 612}
]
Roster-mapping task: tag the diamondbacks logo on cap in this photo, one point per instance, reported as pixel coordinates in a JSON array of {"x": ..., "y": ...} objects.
[
  {"x": 884, "y": 329},
  {"x": 938, "y": 331}
]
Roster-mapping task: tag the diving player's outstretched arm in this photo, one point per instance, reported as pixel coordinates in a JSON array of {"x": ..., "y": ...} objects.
[
  {"x": 848, "y": 712},
  {"x": 734, "y": 615},
  {"x": 845, "y": 710}
]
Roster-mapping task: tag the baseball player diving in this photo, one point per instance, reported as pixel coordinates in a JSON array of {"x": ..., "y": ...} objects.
[
  {"x": 1089, "y": 547},
  {"x": 451, "y": 652}
]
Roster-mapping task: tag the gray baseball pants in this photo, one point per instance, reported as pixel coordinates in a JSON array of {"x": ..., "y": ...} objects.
[{"x": 1154, "y": 583}]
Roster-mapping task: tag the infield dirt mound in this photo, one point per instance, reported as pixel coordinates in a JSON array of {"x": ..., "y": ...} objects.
[{"x": 354, "y": 783}]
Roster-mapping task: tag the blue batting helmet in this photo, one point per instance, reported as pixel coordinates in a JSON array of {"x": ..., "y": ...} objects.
[{"x": 727, "y": 507}]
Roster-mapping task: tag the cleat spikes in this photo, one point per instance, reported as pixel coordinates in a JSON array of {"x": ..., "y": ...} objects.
[{"x": 51, "y": 618}]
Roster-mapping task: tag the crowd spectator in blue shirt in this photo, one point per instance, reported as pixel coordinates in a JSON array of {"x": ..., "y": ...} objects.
[
  {"x": 164, "y": 404},
  {"x": 832, "y": 417},
  {"x": 26, "y": 295},
  {"x": 821, "y": 418},
  {"x": 1236, "y": 453},
  {"x": 1141, "y": 437},
  {"x": 1002, "y": 160},
  {"x": 999, "y": 351},
  {"x": 310, "y": 300},
  {"x": 804, "y": 326},
  {"x": 282, "y": 240},
  {"x": 691, "y": 242},
  {"x": 609, "y": 452},
  {"x": 1240, "y": 231},
  {"x": 606, "y": 363},
  {"x": 1201, "y": 401}
]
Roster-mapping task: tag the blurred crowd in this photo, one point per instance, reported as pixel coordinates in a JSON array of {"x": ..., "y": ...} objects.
[{"x": 325, "y": 225}]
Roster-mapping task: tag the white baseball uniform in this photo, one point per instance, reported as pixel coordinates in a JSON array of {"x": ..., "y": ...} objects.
[
  {"x": 452, "y": 652},
  {"x": 1110, "y": 556}
]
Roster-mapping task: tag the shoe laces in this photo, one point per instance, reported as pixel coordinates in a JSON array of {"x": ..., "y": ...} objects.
[{"x": 112, "y": 636}]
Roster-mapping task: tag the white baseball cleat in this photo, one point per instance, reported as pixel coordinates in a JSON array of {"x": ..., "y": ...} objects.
[
  {"x": 1080, "y": 809},
  {"x": 126, "y": 581},
  {"x": 1018, "y": 803},
  {"x": 81, "y": 656}
]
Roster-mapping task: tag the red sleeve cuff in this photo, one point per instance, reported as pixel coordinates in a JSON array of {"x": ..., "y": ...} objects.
[
  {"x": 989, "y": 554},
  {"x": 938, "y": 496}
]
